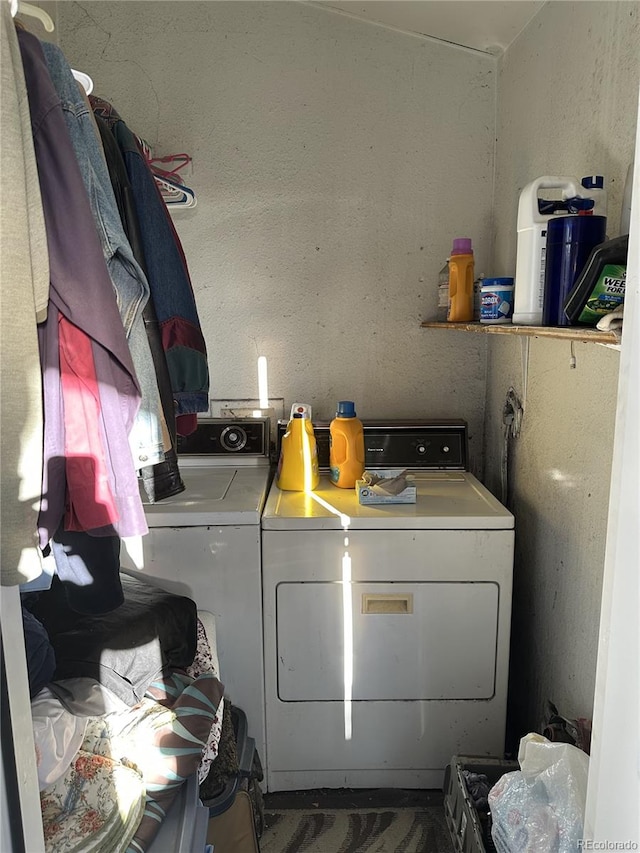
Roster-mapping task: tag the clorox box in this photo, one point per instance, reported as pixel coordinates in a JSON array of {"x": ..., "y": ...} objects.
[{"x": 496, "y": 300}]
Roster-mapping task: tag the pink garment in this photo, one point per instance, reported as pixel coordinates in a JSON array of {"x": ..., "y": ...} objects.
[{"x": 90, "y": 501}]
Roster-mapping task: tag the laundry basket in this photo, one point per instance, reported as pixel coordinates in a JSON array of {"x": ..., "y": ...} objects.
[{"x": 470, "y": 830}]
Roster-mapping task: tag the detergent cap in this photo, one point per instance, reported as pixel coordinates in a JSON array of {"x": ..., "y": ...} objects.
[
  {"x": 346, "y": 409},
  {"x": 593, "y": 182},
  {"x": 304, "y": 409},
  {"x": 462, "y": 246},
  {"x": 581, "y": 206}
]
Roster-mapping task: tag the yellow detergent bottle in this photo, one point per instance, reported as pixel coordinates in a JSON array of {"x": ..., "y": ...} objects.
[
  {"x": 346, "y": 446},
  {"x": 461, "y": 282},
  {"x": 298, "y": 465}
]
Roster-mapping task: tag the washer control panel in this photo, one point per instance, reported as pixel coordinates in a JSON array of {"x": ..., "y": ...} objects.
[
  {"x": 225, "y": 437},
  {"x": 438, "y": 445}
]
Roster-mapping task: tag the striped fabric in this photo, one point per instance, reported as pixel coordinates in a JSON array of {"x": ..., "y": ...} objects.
[{"x": 162, "y": 738}]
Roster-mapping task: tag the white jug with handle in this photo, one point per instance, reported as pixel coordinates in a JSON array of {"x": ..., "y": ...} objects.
[{"x": 530, "y": 255}]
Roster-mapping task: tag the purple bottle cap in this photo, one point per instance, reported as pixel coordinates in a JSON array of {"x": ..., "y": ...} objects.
[{"x": 462, "y": 246}]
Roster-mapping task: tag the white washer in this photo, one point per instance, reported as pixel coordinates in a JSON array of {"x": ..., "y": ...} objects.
[
  {"x": 205, "y": 543},
  {"x": 386, "y": 627}
]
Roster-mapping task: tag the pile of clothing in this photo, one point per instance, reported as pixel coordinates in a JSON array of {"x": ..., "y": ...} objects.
[{"x": 125, "y": 707}]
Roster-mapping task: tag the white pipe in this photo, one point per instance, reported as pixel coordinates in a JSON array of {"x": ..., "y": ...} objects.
[{"x": 263, "y": 384}]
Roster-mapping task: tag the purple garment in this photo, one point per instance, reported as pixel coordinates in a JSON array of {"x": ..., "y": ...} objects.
[{"x": 81, "y": 290}]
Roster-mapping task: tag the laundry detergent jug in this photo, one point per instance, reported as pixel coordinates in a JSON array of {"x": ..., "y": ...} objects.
[
  {"x": 534, "y": 214},
  {"x": 346, "y": 446},
  {"x": 298, "y": 469}
]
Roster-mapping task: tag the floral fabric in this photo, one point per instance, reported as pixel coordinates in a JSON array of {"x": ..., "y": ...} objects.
[
  {"x": 95, "y": 807},
  {"x": 204, "y": 663}
]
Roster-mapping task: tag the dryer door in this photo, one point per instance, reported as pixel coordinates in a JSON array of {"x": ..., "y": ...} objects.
[{"x": 403, "y": 641}]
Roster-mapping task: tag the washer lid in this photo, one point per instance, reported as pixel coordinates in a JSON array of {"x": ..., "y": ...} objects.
[
  {"x": 213, "y": 496},
  {"x": 445, "y": 501}
]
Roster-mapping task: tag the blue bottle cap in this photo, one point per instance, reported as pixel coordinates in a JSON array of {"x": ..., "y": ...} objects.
[
  {"x": 503, "y": 281},
  {"x": 346, "y": 409}
]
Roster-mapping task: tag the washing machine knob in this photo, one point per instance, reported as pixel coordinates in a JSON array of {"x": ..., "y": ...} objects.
[{"x": 233, "y": 438}]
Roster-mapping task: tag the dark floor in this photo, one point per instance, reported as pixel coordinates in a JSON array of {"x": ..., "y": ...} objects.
[{"x": 353, "y": 798}]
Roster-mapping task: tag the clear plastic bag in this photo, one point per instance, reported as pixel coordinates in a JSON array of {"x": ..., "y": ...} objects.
[{"x": 541, "y": 806}]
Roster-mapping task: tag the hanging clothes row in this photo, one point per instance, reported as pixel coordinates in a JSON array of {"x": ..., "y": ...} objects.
[{"x": 105, "y": 293}]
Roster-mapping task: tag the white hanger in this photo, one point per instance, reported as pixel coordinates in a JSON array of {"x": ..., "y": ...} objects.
[
  {"x": 85, "y": 81},
  {"x": 20, "y": 8},
  {"x": 174, "y": 194}
]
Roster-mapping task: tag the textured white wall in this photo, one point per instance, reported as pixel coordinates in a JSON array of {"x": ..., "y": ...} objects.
[
  {"x": 334, "y": 161},
  {"x": 567, "y": 97},
  {"x": 559, "y": 481}
]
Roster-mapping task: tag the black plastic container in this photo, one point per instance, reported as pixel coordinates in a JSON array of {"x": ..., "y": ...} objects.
[
  {"x": 570, "y": 240},
  {"x": 246, "y": 759},
  {"x": 600, "y": 287},
  {"x": 469, "y": 828}
]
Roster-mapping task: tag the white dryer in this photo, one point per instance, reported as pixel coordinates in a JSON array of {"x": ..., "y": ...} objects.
[
  {"x": 386, "y": 628},
  {"x": 205, "y": 543}
]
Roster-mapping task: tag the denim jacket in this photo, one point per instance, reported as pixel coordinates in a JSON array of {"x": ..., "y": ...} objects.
[
  {"x": 168, "y": 277},
  {"x": 162, "y": 479},
  {"x": 128, "y": 279}
]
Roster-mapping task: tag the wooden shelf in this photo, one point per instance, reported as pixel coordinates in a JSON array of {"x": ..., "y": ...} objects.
[{"x": 568, "y": 333}]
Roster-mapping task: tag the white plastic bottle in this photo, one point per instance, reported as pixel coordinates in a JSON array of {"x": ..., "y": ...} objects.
[
  {"x": 530, "y": 255},
  {"x": 532, "y": 239},
  {"x": 443, "y": 293}
]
